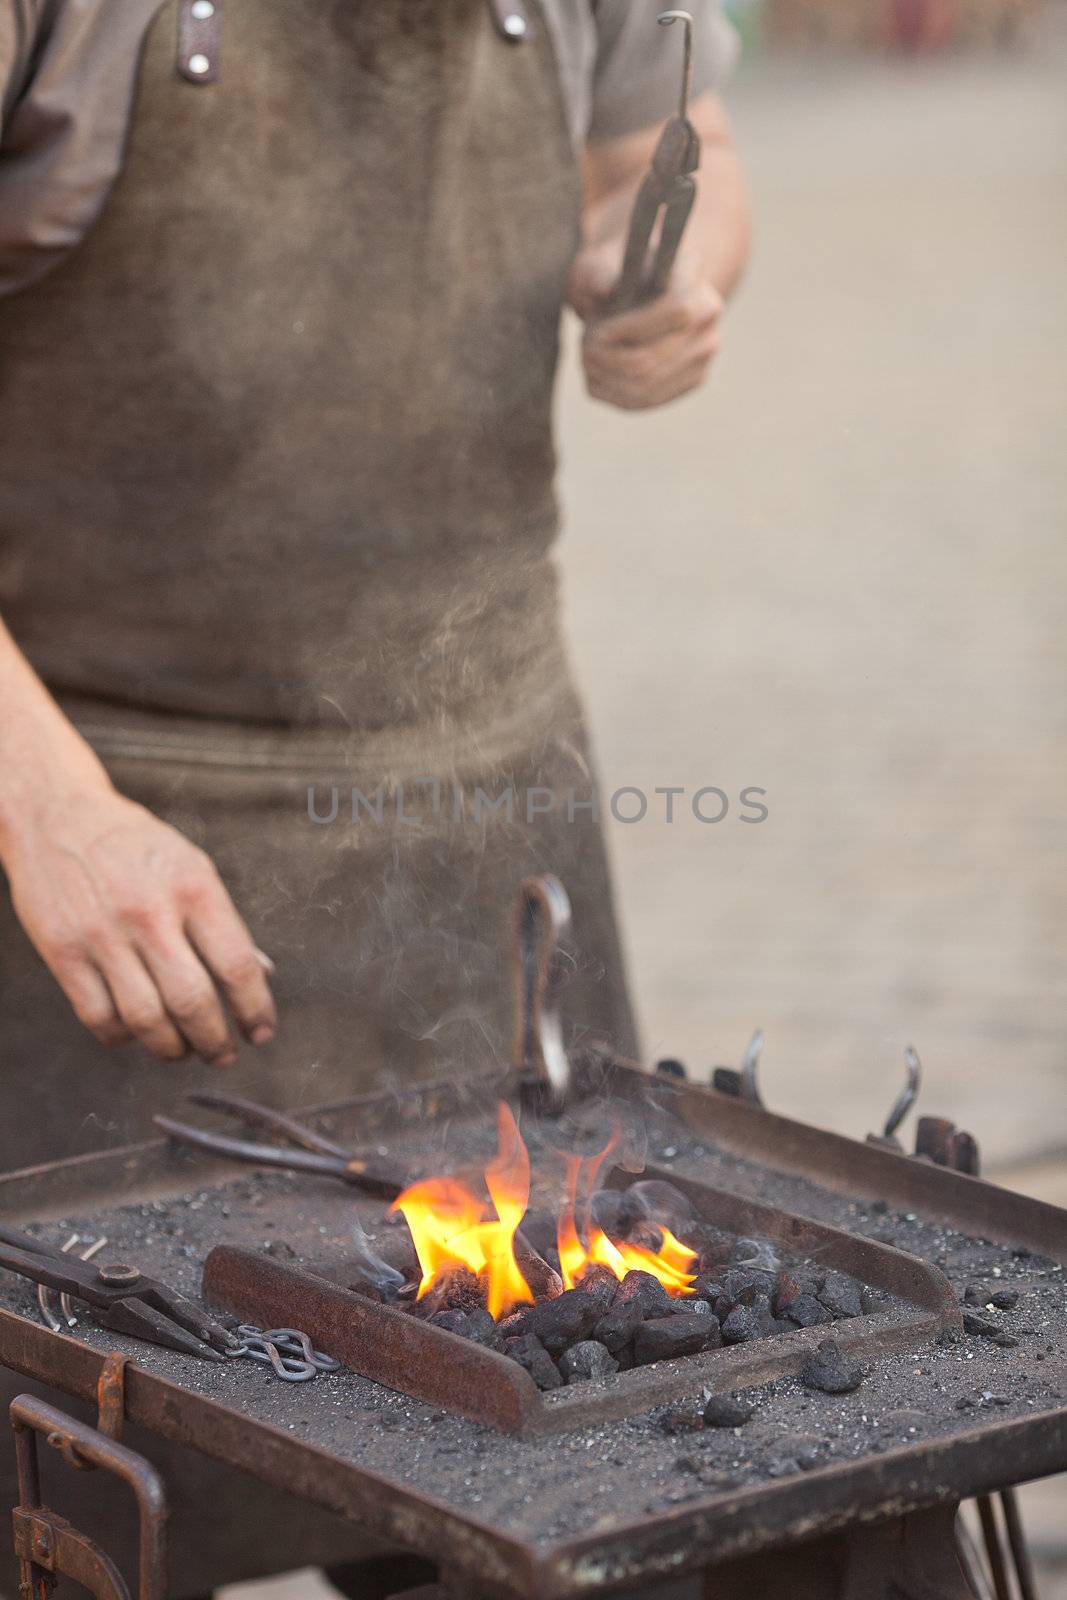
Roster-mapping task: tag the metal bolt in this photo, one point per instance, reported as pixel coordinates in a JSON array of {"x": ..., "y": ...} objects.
[
  {"x": 199, "y": 64},
  {"x": 514, "y": 25},
  {"x": 118, "y": 1275},
  {"x": 202, "y": 9}
]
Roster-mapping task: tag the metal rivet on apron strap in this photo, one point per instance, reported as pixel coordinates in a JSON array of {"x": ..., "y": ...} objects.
[
  {"x": 511, "y": 19},
  {"x": 199, "y": 30}
]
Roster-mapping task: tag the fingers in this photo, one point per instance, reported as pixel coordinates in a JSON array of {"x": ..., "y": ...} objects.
[
  {"x": 240, "y": 969},
  {"x": 94, "y": 1007},
  {"x": 656, "y": 353},
  {"x": 592, "y": 278},
  {"x": 140, "y": 1005},
  {"x": 189, "y": 997},
  {"x": 638, "y": 377}
]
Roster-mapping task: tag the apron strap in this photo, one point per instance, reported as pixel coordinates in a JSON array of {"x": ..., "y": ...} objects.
[
  {"x": 511, "y": 19},
  {"x": 199, "y": 32},
  {"x": 200, "y": 29}
]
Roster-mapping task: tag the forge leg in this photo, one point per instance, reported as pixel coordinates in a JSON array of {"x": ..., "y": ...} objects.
[
  {"x": 909, "y": 1558},
  {"x": 914, "y": 1557}
]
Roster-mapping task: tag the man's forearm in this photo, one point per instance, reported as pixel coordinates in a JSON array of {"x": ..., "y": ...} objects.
[{"x": 42, "y": 757}]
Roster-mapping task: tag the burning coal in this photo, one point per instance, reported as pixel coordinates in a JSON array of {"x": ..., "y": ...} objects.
[
  {"x": 640, "y": 1277},
  {"x": 458, "y": 1232}
]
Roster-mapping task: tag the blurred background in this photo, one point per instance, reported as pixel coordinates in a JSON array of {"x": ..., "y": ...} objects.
[{"x": 840, "y": 574}]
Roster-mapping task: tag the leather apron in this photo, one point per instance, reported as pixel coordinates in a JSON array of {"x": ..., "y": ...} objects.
[{"x": 276, "y": 509}]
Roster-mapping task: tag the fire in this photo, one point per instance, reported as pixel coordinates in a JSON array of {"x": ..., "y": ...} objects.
[
  {"x": 669, "y": 1263},
  {"x": 452, "y": 1227}
]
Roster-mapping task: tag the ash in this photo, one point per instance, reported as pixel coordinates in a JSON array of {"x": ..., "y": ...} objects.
[{"x": 604, "y": 1477}]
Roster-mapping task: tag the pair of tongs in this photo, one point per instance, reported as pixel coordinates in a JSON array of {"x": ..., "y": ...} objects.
[
  {"x": 666, "y": 196},
  {"x": 120, "y": 1296},
  {"x": 303, "y": 1149}
]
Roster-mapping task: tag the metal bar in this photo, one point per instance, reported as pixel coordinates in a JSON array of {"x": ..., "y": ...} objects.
[
  {"x": 994, "y": 1548},
  {"x": 81, "y": 1446},
  {"x": 1020, "y": 1552}
]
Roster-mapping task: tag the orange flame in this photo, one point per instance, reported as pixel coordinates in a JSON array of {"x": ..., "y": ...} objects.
[
  {"x": 452, "y": 1227},
  {"x": 669, "y": 1263}
]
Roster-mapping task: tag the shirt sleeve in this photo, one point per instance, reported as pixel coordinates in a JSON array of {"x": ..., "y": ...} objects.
[
  {"x": 638, "y": 67},
  {"x": 19, "y": 23}
]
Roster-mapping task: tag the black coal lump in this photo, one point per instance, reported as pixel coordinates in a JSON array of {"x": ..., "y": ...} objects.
[
  {"x": 616, "y": 1330},
  {"x": 453, "y": 1322},
  {"x": 806, "y": 1312},
  {"x": 794, "y": 1282},
  {"x": 600, "y": 1282},
  {"x": 841, "y": 1295},
  {"x": 724, "y": 1411},
  {"x": 646, "y": 1290},
  {"x": 530, "y": 1353},
  {"x": 830, "y": 1370},
  {"x": 482, "y": 1328},
  {"x": 572, "y": 1316},
  {"x": 748, "y": 1321},
  {"x": 696, "y": 1308},
  {"x": 666, "y": 1337},
  {"x": 738, "y": 1280},
  {"x": 589, "y": 1359}
]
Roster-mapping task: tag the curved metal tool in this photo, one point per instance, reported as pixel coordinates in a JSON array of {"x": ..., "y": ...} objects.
[
  {"x": 907, "y": 1096},
  {"x": 542, "y": 919},
  {"x": 668, "y": 189}
]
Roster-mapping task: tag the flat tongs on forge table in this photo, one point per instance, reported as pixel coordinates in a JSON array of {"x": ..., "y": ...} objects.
[
  {"x": 295, "y": 1147},
  {"x": 669, "y": 189},
  {"x": 120, "y": 1296}
]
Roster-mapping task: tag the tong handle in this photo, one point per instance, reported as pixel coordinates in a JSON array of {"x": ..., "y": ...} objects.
[
  {"x": 669, "y": 186},
  {"x": 268, "y": 1120}
]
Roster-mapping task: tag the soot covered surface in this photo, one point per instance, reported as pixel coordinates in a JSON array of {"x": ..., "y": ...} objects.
[{"x": 609, "y": 1476}]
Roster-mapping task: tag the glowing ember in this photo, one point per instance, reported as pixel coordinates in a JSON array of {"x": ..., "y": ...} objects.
[{"x": 452, "y": 1227}]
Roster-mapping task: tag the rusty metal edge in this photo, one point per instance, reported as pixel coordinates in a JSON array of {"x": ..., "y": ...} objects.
[
  {"x": 854, "y": 1168},
  {"x": 388, "y": 1345},
  {"x": 908, "y": 1478},
  {"x": 444, "y": 1370},
  {"x": 702, "y": 1533},
  {"x": 879, "y": 1265},
  {"x": 830, "y": 1160},
  {"x": 414, "y": 1519}
]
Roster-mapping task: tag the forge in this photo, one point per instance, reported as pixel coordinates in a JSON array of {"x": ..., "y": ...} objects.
[
  {"x": 447, "y": 1448},
  {"x": 601, "y": 1305}
]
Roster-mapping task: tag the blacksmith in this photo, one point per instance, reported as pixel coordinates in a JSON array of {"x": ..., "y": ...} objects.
[{"x": 280, "y": 291}]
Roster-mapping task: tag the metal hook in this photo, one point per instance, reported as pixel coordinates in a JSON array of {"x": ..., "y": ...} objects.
[
  {"x": 908, "y": 1095},
  {"x": 542, "y": 918},
  {"x": 665, "y": 19},
  {"x": 749, "y": 1085}
]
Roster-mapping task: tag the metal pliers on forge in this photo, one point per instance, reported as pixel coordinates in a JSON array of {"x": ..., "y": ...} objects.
[
  {"x": 304, "y": 1149},
  {"x": 668, "y": 188},
  {"x": 120, "y": 1296}
]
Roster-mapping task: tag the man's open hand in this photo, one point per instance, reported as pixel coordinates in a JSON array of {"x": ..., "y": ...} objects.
[
  {"x": 654, "y": 354},
  {"x": 137, "y": 928}
]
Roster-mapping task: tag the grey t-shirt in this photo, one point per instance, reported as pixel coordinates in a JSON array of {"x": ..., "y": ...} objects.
[{"x": 68, "y": 69}]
